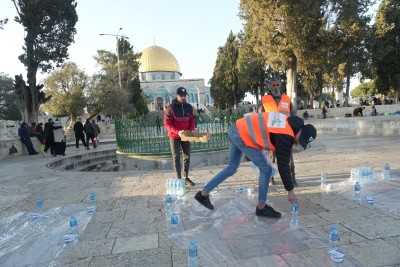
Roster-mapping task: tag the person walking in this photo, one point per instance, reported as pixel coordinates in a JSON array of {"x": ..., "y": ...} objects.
[
  {"x": 89, "y": 131},
  {"x": 23, "y": 133},
  {"x": 59, "y": 139},
  {"x": 96, "y": 128},
  {"x": 79, "y": 133},
  {"x": 179, "y": 117},
  {"x": 277, "y": 101},
  {"x": 250, "y": 136},
  {"x": 49, "y": 136}
]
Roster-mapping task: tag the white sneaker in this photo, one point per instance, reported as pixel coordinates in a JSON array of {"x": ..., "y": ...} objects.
[{"x": 77, "y": 149}]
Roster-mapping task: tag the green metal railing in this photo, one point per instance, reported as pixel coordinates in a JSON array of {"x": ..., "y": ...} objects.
[{"x": 150, "y": 137}]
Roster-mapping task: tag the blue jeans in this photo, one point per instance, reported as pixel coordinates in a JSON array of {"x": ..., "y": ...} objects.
[{"x": 236, "y": 149}]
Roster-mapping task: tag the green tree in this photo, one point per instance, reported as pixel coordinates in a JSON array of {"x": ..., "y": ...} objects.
[
  {"x": 105, "y": 91},
  {"x": 386, "y": 54},
  {"x": 9, "y": 107},
  {"x": 67, "y": 86},
  {"x": 364, "y": 89},
  {"x": 49, "y": 30},
  {"x": 225, "y": 80}
]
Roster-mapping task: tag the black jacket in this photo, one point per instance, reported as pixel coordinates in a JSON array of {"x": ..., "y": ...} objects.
[
  {"x": 78, "y": 129},
  {"x": 283, "y": 147}
]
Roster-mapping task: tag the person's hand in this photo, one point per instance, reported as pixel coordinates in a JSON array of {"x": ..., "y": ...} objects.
[
  {"x": 292, "y": 197},
  {"x": 180, "y": 133}
]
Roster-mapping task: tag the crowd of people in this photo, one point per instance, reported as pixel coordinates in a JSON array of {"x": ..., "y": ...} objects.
[{"x": 52, "y": 136}]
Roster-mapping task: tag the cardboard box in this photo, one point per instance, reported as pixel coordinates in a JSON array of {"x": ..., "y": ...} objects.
[{"x": 195, "y": 137}]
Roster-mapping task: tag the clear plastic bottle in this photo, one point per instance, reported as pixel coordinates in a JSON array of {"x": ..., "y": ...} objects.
[
  {"x": 181, "y": 188},
  {"x": 333, "y": 238},
  {"x": 387, "y": 171},
  {"x": 39, "y": 207},
  {"x": 357, "y": 191},
  {"x": 174, "y": 219},
  {"x": 92, "y": 202},
  {"x": 168, "y": 202},
  {"x": 240, "y": 190},
  {"x": 295, "y": 211},
  {"x": 193, "y": 260},
  {"x": 73, "y": 227},
  {"x": 323, "y": 180}
]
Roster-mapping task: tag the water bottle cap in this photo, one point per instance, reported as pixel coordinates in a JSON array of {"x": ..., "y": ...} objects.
[{"x": 333, "y": 226}]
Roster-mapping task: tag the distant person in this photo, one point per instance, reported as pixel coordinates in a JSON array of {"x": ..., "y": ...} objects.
[
  {"x": 59, "y": 139},
  {"x": 158, "y": 125},
  {"x": 324, "y": 110},
  {"x": 305, "y": 115},
  {"x": 89, "y": 131},
  {"x": 39, "y": 128},
  {"x": 98, "y": 118},
  {"x": 96, "y": 128},
  {"x": 49, "y": 136},
  {"x": 33, "y": 133},
  {"x": 358, "y": 112},
  {"x": 79, "y": 133},
  {"x": 23, "y": 133},
  {"x": 179, "y": 117},
  {"x": 373, "y": 111}
]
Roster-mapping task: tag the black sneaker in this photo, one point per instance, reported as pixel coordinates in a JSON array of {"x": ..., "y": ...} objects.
[
  {"x": 205, "y": 201},
  {"x": 189, "y": 182},
  {"x": 268, "y": 211},
  {"x": 272, "y": 181}
]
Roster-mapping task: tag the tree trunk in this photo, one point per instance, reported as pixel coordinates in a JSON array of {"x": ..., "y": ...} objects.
[
  {"x": 320, "y": 86},
  {"x": 346, "y": 99},
  {"x": 292, "y": 80}
]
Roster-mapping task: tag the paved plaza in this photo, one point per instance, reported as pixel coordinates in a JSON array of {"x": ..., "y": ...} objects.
[{"x": 129, "y": 226}]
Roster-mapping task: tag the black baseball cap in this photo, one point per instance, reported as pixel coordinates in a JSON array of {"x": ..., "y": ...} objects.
[
  {"x": 308, "y": 134},
  {"x": 181, "y": 91}
]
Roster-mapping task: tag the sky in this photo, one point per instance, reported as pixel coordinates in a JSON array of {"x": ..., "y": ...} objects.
[{"x": 191, "y": 30}]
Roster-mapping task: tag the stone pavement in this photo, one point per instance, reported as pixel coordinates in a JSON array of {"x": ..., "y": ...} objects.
[{"x": 129, "y": 227}]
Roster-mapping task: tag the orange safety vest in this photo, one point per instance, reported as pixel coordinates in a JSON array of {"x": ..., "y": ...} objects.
[
  {"x": 255, "y": 129},
  {"x": 269, "y": 104}
]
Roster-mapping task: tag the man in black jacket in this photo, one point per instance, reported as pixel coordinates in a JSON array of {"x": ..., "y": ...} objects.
[
  {"x": 49, "y": 136},
  {"x": 79, "y": 134}
]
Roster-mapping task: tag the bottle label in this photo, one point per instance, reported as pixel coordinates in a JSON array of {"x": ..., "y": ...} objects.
[{"x": 192, "y": 252}]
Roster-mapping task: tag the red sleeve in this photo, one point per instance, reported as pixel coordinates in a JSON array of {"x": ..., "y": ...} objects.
[{"x": 169, "y": 121}]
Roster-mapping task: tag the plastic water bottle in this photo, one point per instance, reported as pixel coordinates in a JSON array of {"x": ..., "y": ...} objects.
[
  {"x": 240, "y": 190},
  {"x": 174, "y": 220},
  {"x": 73, "y": 226},
  {"x": 323, "y": 180},
  {"x": 333, "y": 238},
  {"x": 193, "y": 260},
  {"x": 295, "y": 212},
  {"x": 357, "y": 191},
  {"x": 92, "y": 202},
  {"x": 180, "y": 188},
  {"x": 387, "y": 171},
  {"x": 168, "y": 202},
  {"x": 39, "y": 207}
]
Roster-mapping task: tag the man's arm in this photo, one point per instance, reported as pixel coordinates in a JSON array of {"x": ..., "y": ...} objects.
[
  {"x": 192, "y": 121},
  {"x": 168, "y": 121},
  {"x": 283, "y": 147}
]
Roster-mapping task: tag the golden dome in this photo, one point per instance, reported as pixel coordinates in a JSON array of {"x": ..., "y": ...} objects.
[{"x": 156, "y": 58}]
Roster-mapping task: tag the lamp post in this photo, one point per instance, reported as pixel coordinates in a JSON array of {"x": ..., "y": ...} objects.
[{"x": 117, "y": 49}]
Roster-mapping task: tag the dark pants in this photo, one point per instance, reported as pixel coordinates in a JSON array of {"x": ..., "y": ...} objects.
[
  {"x": 176, "y": 145},
  {"x": 29, "y": 146},
  {"x": 81, "y": 138},
  {"x": 49, "y": 144},
  {"x": 59, "y": 148},
  {"x": 39, "y": 136},
  {"x": 88, "y": 137}
]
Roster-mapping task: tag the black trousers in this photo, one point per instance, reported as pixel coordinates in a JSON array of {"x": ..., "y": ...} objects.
[
  {"x": 81, "y": 138},
  {"x": 88, "y": 138},
  {"x": 49, "y": 144},
  {"x": 176, "y": 145}
]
